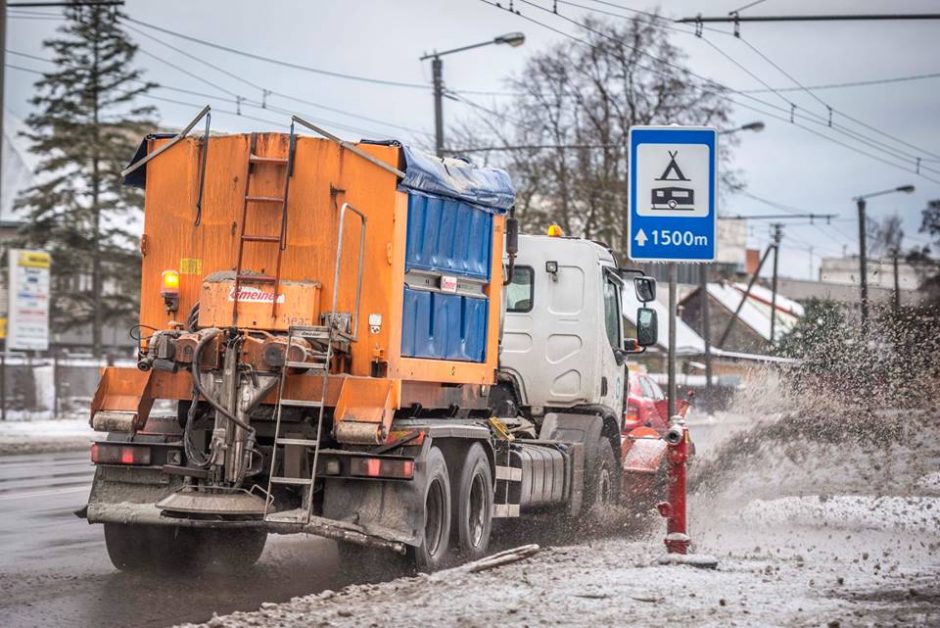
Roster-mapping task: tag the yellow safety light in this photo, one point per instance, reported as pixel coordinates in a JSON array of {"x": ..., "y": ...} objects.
[
  {"x": 170, "y": 290},
  {"x": 171, "y": 282},
  {"x": 555, "y": 231}
]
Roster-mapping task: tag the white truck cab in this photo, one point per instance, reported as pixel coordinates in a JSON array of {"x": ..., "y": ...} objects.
[{"x": 562, "y": 337}]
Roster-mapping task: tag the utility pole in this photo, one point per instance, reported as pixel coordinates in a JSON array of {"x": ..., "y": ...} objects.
[
  {"x": 3, "y": 65},
  {"x": 778, "y": 235},
  {"x": 897, "y": 282},
  {"x": 671, "y": 358},
  {"x": 862, "y": 247},
  {"x": 744, "y": 297},
  {"x": 863, "y": 264},
  {"x": 437, "y": 70},
  {"x": 706, "y": 333}
]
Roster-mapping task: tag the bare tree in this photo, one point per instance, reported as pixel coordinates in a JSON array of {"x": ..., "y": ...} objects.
[
  {"x": 566, "y": 128},
  {"x": 886, "y": 236}
]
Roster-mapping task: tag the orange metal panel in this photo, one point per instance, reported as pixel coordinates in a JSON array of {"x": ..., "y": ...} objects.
[
  {"x": 325, "y": 176},
  {"x": 298, "y": 304}
]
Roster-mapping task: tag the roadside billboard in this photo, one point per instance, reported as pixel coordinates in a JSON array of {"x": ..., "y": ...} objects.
[{"x": 28, "y": 300}]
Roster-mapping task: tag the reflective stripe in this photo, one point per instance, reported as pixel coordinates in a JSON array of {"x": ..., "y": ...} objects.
[
  {"x": 505, "y": 510},
  {"x": 511, "y": 474}
]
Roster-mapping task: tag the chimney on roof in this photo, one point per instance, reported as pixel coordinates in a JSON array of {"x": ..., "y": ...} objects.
[{"x": 752, "y": 261}]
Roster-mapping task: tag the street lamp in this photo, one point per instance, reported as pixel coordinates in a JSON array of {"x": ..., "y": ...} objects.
[
  {"x": 437, "y": 67},
  {"x": 757, "y": 126},
  {"x": 862, "y": 257}
]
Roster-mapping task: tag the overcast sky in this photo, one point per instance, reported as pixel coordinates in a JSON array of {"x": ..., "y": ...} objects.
[{"x": 382, "y": 39}]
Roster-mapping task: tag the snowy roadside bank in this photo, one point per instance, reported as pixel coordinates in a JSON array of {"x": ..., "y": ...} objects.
[
  {"x": 780, "y": 578},
  {"x": 33, "y": 437},
  {"x": 816, "y": 521}
]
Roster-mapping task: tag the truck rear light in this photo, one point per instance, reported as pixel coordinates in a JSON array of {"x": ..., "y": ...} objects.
[
  {"x": 118, "y": 453},
  {"x": 382, "y": 468}
]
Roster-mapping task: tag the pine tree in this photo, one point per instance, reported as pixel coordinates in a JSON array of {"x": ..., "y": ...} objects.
[{"x": 85, "y": 127}]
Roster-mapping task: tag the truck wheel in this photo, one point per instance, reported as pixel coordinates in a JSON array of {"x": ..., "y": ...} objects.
[
  {"x": 604, "y": 483},
  {"x": 431, "y": 554},
  {"x": 475, "y": 504},
  {"x": 150, "y": 548}
]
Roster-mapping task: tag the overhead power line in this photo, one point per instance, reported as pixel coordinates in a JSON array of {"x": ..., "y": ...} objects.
[
  {"x": 281, "y": 62},
  {"x": 862, "y": 83},
  {"x": 718, "y": 90},
  {"x": 811, "y": 18},
  {"x": 897, "y": 153},
  {"x": 242, "y": 102},
  {"x": 265, "y": 92}
]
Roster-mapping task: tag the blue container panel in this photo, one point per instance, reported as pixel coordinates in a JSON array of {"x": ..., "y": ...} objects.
[
  {"x": 443, "y": 326},
  {"x": 448, "y": 236}
]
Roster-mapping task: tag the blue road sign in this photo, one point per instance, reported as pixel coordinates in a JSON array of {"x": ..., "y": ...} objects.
[{"x": 673, "y": 189}]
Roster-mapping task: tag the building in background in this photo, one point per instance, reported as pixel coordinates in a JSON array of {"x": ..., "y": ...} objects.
[
  {"x": 751, "y": 332},
  {"x": 846, "y": 271}
]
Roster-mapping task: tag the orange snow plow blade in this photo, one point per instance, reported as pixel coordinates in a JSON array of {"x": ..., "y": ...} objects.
[
  {"x": 122, "y": 401},
  {"x": 643, "y": 453},
  {"x": 365, "y": 409}
]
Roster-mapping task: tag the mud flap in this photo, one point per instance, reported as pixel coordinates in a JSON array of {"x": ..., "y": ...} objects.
[{"x": 392, "y": 510}]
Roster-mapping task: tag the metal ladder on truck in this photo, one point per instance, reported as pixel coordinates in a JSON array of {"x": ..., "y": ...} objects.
[
  {"x": 333, "y": 338},
  {"x": 280, "y": 239}
]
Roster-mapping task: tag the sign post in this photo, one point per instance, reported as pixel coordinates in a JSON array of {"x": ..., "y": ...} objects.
[
  {"x": 673, "y": 195},
  {"x": 672, "y": 191}
]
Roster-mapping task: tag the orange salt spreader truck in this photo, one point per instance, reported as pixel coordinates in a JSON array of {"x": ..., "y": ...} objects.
[{"x": 358, "y": 345}]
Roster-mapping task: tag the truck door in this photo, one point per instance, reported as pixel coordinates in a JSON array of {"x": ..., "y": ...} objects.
[
  {"x": 550, "y": 328},
  {"x": 612, "y": 374}
]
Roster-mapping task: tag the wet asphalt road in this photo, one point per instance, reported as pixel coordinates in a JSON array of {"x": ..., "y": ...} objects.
[{"x": 54, "y": 568}]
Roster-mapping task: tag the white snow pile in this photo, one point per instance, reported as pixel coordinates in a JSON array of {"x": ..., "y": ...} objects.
[
  {"x": 48, "y": 435},
  {"x": 913, "y": 513}
]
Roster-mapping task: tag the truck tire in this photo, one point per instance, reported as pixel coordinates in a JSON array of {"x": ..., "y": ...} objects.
[
  {"x": 474, "y": 504},
  {"x": 151, "y": 548},
  {"x": 603, "y": 486},
  {"x": 431, "y": 554}
]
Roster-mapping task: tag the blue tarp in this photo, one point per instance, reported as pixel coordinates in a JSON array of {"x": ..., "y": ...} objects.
[{"x": 489, "y": 188}]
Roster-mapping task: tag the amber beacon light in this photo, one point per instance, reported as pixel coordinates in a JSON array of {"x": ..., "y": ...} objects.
[{"x": 170, "y": 289}]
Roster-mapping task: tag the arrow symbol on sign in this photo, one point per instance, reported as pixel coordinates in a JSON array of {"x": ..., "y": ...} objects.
[{"x": 640, "y": 238}]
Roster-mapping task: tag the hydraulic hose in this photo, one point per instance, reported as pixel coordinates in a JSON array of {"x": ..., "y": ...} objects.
[
  {"x": 191, "y": 453},
  {"x": 210, "y": 334}
]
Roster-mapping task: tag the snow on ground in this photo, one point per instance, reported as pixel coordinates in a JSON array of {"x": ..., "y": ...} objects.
[
  {"x": 616, "y": 582},
  {"x": 825, "y": 521},
  {"x": 21, "y": 437},
  {"x": 915, "y": 513}
]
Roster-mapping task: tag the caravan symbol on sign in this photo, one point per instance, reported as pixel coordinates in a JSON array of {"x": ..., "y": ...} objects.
[{"x": 672, "y": 194}]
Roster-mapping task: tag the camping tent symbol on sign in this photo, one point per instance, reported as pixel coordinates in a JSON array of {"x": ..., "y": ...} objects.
[{"x": 673, "y": 197}]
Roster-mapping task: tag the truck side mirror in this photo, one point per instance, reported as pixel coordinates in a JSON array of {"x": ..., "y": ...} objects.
[
  {"x": 647, "y": 327},
  {"x": 645, "y": 288}
]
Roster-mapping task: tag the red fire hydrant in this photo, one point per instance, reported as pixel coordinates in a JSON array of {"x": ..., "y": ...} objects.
[{"x": 674, "y": 509}]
